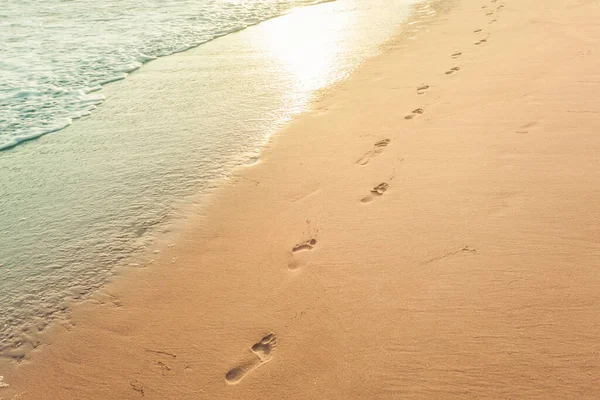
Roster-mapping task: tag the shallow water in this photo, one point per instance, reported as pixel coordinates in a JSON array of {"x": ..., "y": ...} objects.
[
  {"x": 55, "y": 53},
  {"x": 76, "y": 203}
]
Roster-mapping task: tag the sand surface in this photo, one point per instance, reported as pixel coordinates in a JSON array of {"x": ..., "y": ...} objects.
[{"x": 431, "y": 230}]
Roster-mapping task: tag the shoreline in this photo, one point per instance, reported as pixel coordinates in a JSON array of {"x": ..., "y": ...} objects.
[
  {"x": 192, "y": 207},
  {"x": 124, "y": 74},
  {"x": 420, "y": 232},
  {"x": 106, "y": 185}
]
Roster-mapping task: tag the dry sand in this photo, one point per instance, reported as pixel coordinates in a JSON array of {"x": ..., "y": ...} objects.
[{"x": 394, "y": 242}]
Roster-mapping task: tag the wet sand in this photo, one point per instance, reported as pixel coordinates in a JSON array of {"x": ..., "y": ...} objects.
[{"x": 430, "y": 229}]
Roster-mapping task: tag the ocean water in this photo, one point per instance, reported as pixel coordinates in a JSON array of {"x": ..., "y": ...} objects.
[
  {"x": 79, "y": 202},
  {"x": 56, "y": 54}
]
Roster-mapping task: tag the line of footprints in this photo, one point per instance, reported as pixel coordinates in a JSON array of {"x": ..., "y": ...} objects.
[
  {"x": 422, "y": 89},
  {"x": 261, "y": 351}
]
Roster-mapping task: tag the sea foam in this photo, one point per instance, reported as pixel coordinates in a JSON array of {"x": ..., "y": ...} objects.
[{"x": 53, "y": 50}]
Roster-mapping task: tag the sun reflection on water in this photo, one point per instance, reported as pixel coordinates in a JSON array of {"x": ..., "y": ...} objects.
[{"x": 309, "y": 46}]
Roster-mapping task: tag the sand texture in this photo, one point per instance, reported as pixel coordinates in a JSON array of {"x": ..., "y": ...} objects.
[{"x": 429, "y": 230}]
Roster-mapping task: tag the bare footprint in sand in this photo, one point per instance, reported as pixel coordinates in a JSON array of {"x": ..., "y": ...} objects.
[
  {"x": 308, "y": 245},
  {"x": 481, "y": 41},
  {"x": 422, "y": 89},
  {"x": 297, "y": 260},
  {"x": 452, "y": 70},
  {"x": 414, "y": 113},
  {"x": 376, "y": 150},
  {"x": 377, "y": 191},
  {"x": 261, "y": 353},
  {"x": 456, "y": 55}
]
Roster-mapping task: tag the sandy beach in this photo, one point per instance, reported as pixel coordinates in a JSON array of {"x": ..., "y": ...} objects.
[{"x": 430, "y": 229}]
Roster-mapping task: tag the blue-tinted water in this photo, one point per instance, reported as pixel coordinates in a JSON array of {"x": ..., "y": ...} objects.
[{"x": 56, "y": 54}]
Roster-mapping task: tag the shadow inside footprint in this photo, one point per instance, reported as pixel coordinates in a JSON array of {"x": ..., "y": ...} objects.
[
  {"x": 414, "y": 113},
  {"x": 308, "y": 245},
  {"x": 235, "y": 375},
  {"x": 382, "y": 143},
  {"x": 377, "y": 149},
  {"x": 422, "y": 89},
  {"x": 263, "y": 348},
  {"x": 298, "y": 258},
  {"x": 452, "y": 70},
  {"x": 261, "y": 353},
  {"x": 377, "y": 191}
]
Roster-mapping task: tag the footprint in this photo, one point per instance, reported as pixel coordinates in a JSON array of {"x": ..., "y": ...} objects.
[
  {"x": 138, "y": 387},
  {"x": 377, "y": 191},
  {"x": 164, "y": 368},
  {"x": 525, "y": 128},
  {"x": 422, "y": 89},
  {"x": 377, "y": 149},
  {"x": 456, "y": 55},
  {"x": 382, "y": 143},
  {"x": 452, "y": 70},
  {"x": 308, "y": 245},
  {"x": 298, "y": 259},
  {"x": 415, "y": 112},
  {"x": 477, "y": 31},
  {"x": 261, "y": 353},
  {"x": 380, "y": 189},
  {"x": 481, "y": 41}
]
